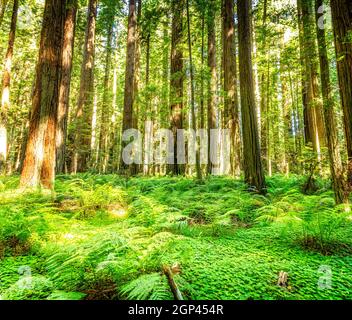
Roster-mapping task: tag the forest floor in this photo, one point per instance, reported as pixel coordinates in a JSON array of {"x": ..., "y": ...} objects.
[{"x": 105, "y": 237}]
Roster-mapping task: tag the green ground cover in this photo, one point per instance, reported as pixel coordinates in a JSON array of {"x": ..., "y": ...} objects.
[{"x": 105, "y": 237}]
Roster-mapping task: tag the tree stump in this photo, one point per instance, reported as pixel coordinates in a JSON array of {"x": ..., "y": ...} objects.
[{"x": 283, "y": 278}]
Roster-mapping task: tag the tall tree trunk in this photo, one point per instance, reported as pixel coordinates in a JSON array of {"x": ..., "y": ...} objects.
[
  {"x": 253, "y": 170},
  {"x": 341, "y": 11},
  {"x": 128, "y": 113},
  {"x": 231, "y": 112},
  {"x": 202, "y": 115},
  {"x": 164, "y": 108},
  {"x": 64, "y": 93},
  {"x": 147, "y": 63},
  {"x": 6, "y": 82},
  {"x": 106, "y": 109},
  {"x": 285, "y": 125},
  {"x": 40, "y": 157},
  {"x": 266, "y": 117},
  {"x": 115, "y": 123},
  {"x": 212, "y": 83},
  {"x": 329, "y": 115},
  {"x": 149, "y": 125},
  {"x": 193, "y": 108},
  {"x": 83, "y": 120},
  {"x": 137, "y": 71},
  {"x": 264, "y": 78},
  {"x": 314, "y": 113},
  {"x": 176, "y": 80},
  {"x": 303, "y": 81},
  {"x": 137, "y": 76}
]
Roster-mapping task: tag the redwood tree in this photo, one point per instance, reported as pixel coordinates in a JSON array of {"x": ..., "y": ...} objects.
[
  {"x": 231, "y": 110},
  {"x": 193, "y": 112},
  {"x": 6, "y": 81},
  {"x": 212, "y": 82},
  {"x": 129, "y": 80},
  {"x": 315, "y": 129},
  {"x": 106, "y": 109},
  {"x": 329, "y": 115},
  {"x": 341, "y": 11},
  {"x": 264, "y": 96},
  {"x": 253, "y": 170},
  {"x": 177, "y": 79},
  {"x": 39, "y": 163},
  {"x": 65, "y": 81},
  {"x": 83, "y": 119}
]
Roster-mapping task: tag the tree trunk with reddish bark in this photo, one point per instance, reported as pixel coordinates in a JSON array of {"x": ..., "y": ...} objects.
[
  {"x": 212, "y": 83},
  {"x": 106, "y": 109},
  {"x": 84, "y": 114},
  {"x": 65, "y": 81},
  {"x": 253, "y": 170},
  {"x": 336, "y": 168},
  {"x": 231, "y": 108},
  {"x": 6, "y": 82},
  {"x": 129, "y": 83},
  {"x": 176, "y": 81},
  {"x": 314, "y": 113},
  {"x": 341, "y": 11},
  {"x": 39, "y": 162}
]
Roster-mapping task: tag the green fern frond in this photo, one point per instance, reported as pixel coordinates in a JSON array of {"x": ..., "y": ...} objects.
[{"x": 147, "y": 287}]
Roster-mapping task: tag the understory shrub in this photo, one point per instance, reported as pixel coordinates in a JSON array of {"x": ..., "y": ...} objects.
[{"x": 14, "y": 232}]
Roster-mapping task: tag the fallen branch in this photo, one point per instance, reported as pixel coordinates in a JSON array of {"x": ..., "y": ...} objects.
[{"x": 173, "y": 286}]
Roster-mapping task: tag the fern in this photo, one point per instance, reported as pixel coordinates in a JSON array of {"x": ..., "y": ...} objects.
[{"x": 152, "y": 286}]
